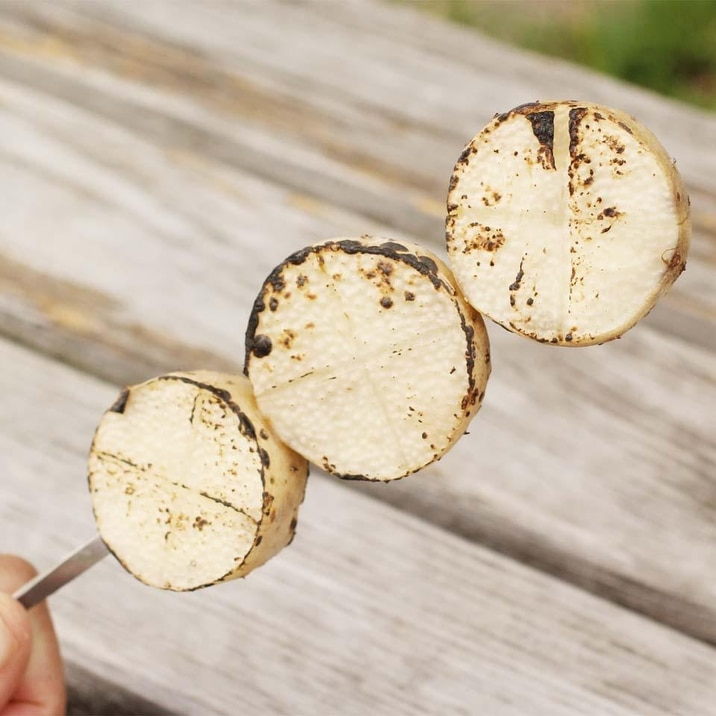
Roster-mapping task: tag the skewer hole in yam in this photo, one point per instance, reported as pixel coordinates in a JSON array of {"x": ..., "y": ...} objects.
[
  {"x": 566, "y": 222},
  {"x": 189, "y": 484},
  {"x": 365, "y": 358}
]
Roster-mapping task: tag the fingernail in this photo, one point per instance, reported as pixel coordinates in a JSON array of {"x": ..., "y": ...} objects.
[{"x": 8, "y": 644}]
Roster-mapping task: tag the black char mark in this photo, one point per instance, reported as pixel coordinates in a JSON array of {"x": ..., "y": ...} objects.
[
  {"x": 245, "y": 425},
  {"x": 576, "y": 115},
  {"x": 298, "y": 257},
  {"x": 427, "y": 261},
  {"x": 259, "y": 307},
  {"x": 518, "y": 278},
  {"x": 351, "y": 246},
  {"x": 520, "y": 109},
  {"x": 121, "y": 403},
  {"x": 470, "y": 357},
  {"x": 394, "y": 246},
  {"x": 365, "y": 478},
  {"x": 465, "y": 156},
  {"x": 543, "y": 128},
  {"x": 265, "y": 460},
  {"x": 423, "y": 264},
  {"x": 275, "y": 281},
  {"x": 576, "y": 158},
  {"x": 261, "y": 346}
]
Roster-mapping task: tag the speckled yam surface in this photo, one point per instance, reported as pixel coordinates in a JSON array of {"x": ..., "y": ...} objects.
[
  {"x": 566, "y": 222},
  {"x": 365, "y": 358},
  {"x": 189, "y": 486}
]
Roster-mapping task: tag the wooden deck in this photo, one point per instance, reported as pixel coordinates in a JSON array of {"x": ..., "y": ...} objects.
[{"x": 157, "y": 159}]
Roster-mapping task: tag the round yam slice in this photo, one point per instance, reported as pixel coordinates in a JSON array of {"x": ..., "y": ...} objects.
[
  {"x": 365, "y": 358},
  {"x": 189, "y": 485},
  {"x": 566, "y": 222}
]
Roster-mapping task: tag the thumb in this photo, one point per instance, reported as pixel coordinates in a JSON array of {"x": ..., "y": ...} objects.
[{"x": 15, "y": 641}]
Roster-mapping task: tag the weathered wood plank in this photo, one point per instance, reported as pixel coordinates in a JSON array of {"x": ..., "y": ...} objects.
[
  {"x": 369, "y": 611},
  {"x": 369, "y": 131},
  {"x": 598, "y": 468},
  {"x": 139, "y": 218}
]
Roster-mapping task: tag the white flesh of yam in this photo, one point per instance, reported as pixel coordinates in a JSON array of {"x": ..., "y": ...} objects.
[
  {"x": 566, "y": 222},
  {"x": 189, "y": 485},
  {"x": 365, "y": 358}
]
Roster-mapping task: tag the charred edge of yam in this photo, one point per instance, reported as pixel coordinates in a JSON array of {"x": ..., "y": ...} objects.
[
  {"x": 247, "y": 429},
  {"x": 120, "y": 404},
  {"x": 541, "y": 116},
  {"x": 260, "y": 345},
  {"x": 246, "y": 426}
]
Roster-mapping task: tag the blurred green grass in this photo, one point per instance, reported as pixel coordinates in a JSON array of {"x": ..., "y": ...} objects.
[{"x": 666, "y": 45}]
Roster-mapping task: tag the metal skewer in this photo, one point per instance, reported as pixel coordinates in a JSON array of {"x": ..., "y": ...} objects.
[{"x": 80, "y": 560}]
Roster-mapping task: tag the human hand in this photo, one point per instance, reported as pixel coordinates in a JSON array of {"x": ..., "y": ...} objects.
[{"x": 31, "y": 672}]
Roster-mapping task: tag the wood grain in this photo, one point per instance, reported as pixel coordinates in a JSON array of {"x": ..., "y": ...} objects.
[
  {"x": 375, "y": 130},
  {"x": 152, "y": 180},
  {"x": 369, "y": 611},
  {"x": 153, "y": 173}
]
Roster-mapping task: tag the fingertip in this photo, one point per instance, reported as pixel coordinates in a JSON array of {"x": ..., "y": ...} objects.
[
  {"x": 14, "y": 571},
  {"x": 15, "y": 644},
  {"x": 15, "y": 630},
  {"x": 31, "y": 671},
  {"x": 33, "y": 676},
  {"x": 15, "y": 623}
]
